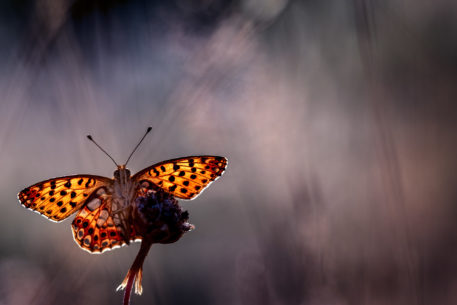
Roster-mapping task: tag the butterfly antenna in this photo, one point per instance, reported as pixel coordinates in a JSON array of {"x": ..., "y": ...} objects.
[
  {"x": 147, "y": 131},
  {"x": 90, "y": 138}
]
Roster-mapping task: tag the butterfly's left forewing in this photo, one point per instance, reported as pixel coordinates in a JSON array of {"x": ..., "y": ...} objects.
[
  {"x": 58, "y": 198},
  {"x": 184, "y": 178}
]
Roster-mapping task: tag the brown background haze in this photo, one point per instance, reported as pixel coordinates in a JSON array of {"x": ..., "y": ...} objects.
[{"x": 338, "y": 119}]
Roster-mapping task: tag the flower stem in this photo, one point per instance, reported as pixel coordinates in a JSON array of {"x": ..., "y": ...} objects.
[{"x": 135, "y": 273}]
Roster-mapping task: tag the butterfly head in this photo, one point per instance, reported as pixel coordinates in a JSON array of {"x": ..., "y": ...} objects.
[{"x": 121, "y": 172}]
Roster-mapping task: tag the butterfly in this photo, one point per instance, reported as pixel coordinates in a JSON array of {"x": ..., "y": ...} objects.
[{"x": 105, "y": 207}]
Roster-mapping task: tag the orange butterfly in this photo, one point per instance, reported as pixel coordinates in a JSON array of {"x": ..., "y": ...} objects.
[{"x": 106, "y": 207}]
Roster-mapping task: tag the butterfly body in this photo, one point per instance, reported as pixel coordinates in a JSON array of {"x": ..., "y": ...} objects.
[
  {"x": 124, "y": 192},
  {"x": 107, "y": 208}
]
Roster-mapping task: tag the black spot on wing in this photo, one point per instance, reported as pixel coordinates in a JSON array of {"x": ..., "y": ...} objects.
[{"x": 88, "y": 182}]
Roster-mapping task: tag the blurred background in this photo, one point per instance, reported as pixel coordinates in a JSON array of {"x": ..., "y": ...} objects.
[{"x": 338, "y": 119}]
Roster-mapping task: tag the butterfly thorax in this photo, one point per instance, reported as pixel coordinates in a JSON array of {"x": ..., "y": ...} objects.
[{"x": 124, "y": 193}]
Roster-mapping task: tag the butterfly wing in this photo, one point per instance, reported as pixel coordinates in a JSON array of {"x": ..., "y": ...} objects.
[
  {"x": 96, "y": 229},
  {"x": 184, "y": 178},
  {"x": 58, "y": 198}
]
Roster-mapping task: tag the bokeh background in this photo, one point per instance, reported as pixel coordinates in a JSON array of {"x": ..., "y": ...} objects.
[{"x": 338, "y": 119}]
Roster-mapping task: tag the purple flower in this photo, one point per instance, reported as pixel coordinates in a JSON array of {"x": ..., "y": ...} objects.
[{"x": 162, "y": 219}]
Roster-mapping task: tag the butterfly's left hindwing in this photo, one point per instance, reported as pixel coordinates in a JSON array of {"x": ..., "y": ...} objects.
[{"x": 58, "y": 198}]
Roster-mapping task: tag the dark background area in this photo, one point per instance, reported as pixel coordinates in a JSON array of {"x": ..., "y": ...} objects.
[{"x": 338, "y": 119}]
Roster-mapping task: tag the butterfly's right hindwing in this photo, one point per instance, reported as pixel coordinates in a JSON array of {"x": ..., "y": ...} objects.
[
  {"x": 96, "y": 229},
  {"x": 58, "y": 198}
]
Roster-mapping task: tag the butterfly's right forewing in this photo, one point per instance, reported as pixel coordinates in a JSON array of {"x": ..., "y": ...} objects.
[{"x": 58, "y": 198}]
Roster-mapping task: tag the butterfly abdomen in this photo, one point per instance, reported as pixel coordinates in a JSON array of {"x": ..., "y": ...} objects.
[{"x": 123, "y": 196}]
